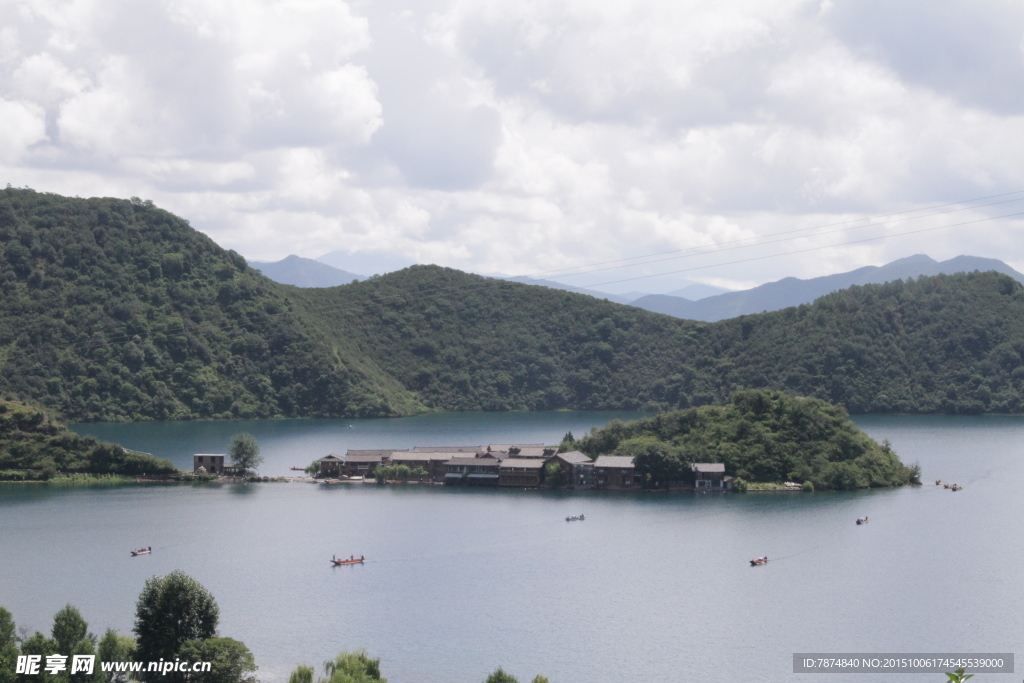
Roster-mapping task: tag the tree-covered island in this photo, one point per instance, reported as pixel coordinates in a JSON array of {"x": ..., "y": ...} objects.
[{"x": 761, "y": 437}]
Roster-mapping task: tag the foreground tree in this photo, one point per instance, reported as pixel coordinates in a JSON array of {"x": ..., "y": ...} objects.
[
  {"x": 8, "y": 647},
  {"x": 231, "y": 660},
  {"x": 171, "y": 610},
  {"x": 114, "y": 648},
  {"x": 245, "y": 451}
]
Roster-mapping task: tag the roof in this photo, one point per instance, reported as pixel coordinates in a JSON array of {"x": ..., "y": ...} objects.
[
  {"x": 386, "y": 453},
  {"x": 709, "y": 467},
  {"x": 503, "y": 447},
  {"x": 418, "y": 457},
  {"x": 522, "y": 463},
  {"x": 478, "y": 462},
  {"x": 349, "y": 457},
  {"x": 330, "y": 458},
  {"x": 447, "y": 449},
  {"x": 536, "y": 452},
  {"x": 209, "y": 455},
  {"x": 621, "y": 461},
  {"x": 575, "y": 458}
]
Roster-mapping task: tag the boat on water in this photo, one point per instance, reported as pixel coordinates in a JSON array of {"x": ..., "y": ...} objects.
[
  {"x": 953, "y": 487},
  {"x": 351, "y": 560},
  {"x": 575, "y": 518},
  {"x": 142, "y": 551},
  {"x": 862, "y": 520},
  {"x": 758, "y": 561}
]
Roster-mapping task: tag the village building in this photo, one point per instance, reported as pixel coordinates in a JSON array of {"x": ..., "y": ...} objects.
[
  {"x": 472, "y": 471},
  {"x": 576, "y": 470},
  {"x": 330, "y": 467},
  {"x": 614, "y": 471},
  {"x": 710, "y": 476},
  {"x": 522, "y": 472},
  {"x": 433, "y": 462},
  {"x": 211, "y": 463}
]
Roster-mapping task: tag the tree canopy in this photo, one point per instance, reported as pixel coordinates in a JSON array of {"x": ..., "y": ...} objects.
[
  {"x": 245, "y": 451},
  {"x": 117, "y": 310},
  {"x": 760, "y": 436},
  {"x": 171, "y": 610}
]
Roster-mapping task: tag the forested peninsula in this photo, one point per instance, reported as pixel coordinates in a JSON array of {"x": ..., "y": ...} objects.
[
  {"x": 115, "y": 310},
  {"x": 760, "y": 436},
  {"x": 34, "y": 447}
]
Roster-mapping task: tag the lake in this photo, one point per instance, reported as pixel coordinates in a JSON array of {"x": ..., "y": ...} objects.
[{"x": 651, "y": 587}]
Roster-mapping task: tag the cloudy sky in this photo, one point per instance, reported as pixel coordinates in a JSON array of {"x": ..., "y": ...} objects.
[{"x": 740, "y": 140}]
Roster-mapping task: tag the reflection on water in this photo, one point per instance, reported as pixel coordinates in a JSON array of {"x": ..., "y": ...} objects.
[{"x": 649, "y": 588}]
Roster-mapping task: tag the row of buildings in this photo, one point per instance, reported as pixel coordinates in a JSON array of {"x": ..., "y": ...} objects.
[{"x": 512, "y": 465}]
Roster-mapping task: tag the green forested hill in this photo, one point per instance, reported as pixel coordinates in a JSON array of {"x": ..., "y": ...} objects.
[
  {"x": 33, "y": 446},
  {"x": 939, "y": 344},
  {"x": 761, "y": 436},
  {"x": 114, "y": 310}
]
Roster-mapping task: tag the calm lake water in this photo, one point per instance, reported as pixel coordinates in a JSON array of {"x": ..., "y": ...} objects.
[{"x": 457, "y": 582}]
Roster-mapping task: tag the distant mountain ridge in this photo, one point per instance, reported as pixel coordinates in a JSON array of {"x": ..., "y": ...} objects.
[
  {"x": 792, "y": 291},
  {"x": 305, "y": 272}
]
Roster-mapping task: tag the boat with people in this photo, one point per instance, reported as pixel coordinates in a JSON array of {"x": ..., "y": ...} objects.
[
  {"x": 862, "y": 520},
  {"x": 351, "y": 560},
  {"x": 953, "y": 487},
  {"x": 142, "y": 551},
  {"x": 575, "y": 518},
  {"x": 758, "y": 561}
]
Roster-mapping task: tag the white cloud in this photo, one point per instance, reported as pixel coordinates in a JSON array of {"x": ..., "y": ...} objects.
[{"x": 524, "y": 135}]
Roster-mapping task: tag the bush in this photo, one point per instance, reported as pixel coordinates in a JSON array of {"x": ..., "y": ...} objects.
[
  {"x": 807, "y": 487},
  {"x": 740, "y": 485}
]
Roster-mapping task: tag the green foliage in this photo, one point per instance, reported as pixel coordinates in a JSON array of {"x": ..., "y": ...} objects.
[
  {"x": 943, "y": 344},
  {"x": 171, "y": 610},
  {"x": 807, "y": 486},
  {"x": 958, "y": 676},
  {"x": 553, "y": 475},
  {"x": 116, "y": 310},
  {"x": 69, "y": 628},
  {"x": 540, "y": 679},
  {"x": 36, "y": 644},
  {"x": 398, "y": 473},
  {"x": 761, "y": 436},
  {"x": 245, "y": 451},
  {"x": 8, "y": 647},
  {"x": 499, "y": 676},
  {"x": 114, "y": 648},
  {"x": 353, "y": 667},
  {"x": 313, "y": 468},
  {"x": 740, "y": 485},
  {"x": 33, "y": 446},
  {"x": 231, "y": 660},
  {"x": 302, "y": 674}
]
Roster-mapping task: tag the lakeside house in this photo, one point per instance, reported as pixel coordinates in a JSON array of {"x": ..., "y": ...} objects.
[
  {"x": 522, "y": 472},
  {"x": 575, "y": 469},
  {"x": 614, "y": 472},
  {"x": 710, "y": 476},
  {"x": 472, "y": 471},
  {"x": 209, "y": 463}
]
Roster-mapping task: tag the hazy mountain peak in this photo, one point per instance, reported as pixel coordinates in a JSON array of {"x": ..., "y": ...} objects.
[
  {"x": 304, "y": 272},
  {"x": 792, "y": 291}
]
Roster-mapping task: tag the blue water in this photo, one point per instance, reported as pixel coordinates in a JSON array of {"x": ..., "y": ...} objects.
[{"x": 457, "y": 582}]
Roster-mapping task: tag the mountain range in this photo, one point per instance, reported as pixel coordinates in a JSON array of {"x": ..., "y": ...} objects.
[
  {"x": 792, "y": 291},
  {"x": 115, "y": 310}
]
